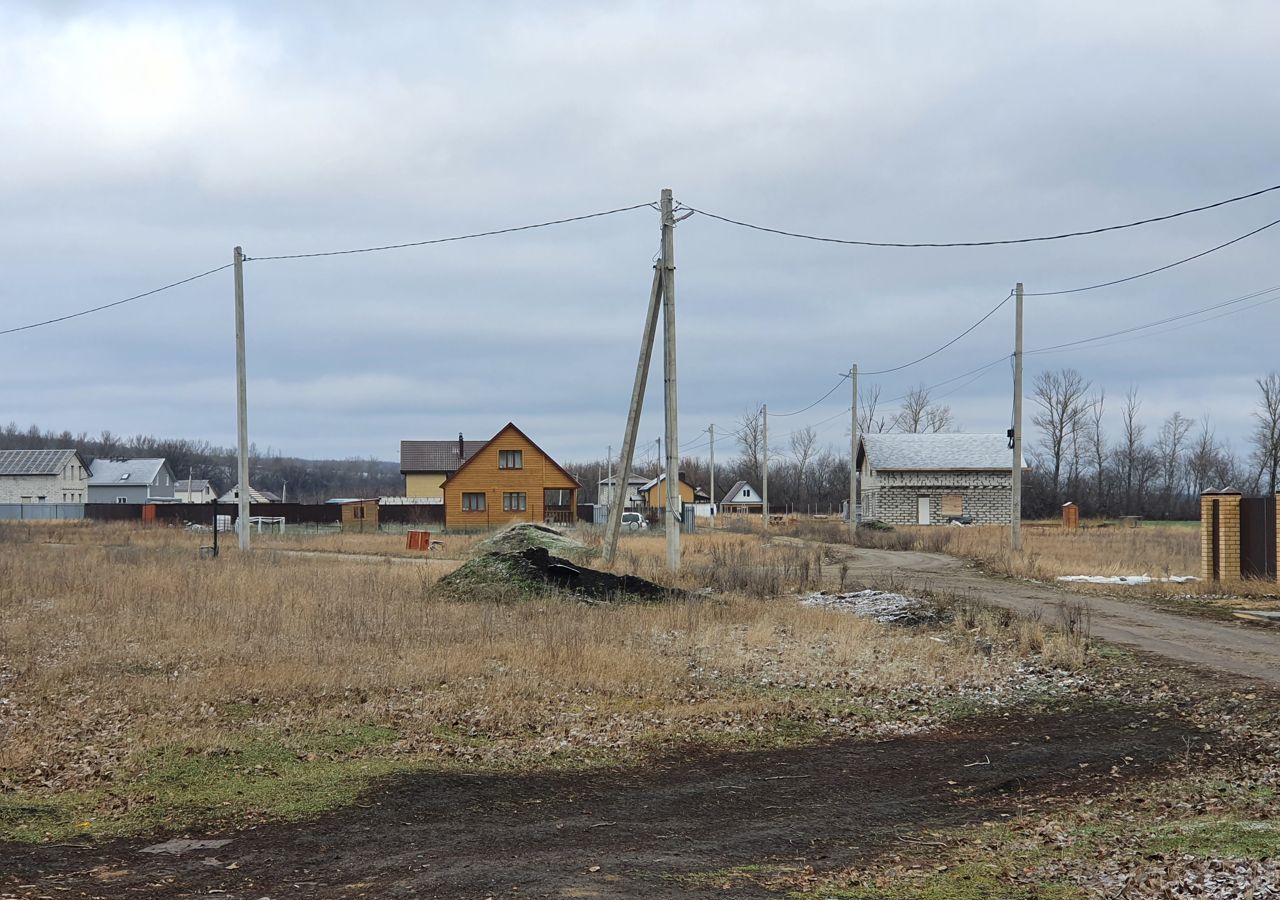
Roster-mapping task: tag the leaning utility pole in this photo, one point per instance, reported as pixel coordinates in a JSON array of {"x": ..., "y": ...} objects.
[
  {"x": 712, "y": 431},
  {"x": 613, "y": 488},
  {"x": 242, "y": 404},
  {"x": 669, "y": 379},
  {"x": 764, "y": 474},
  {"x": 853, "y": 453},
  {"x": 614, "y": 523},
  {"x": 1015, "y": 522}
]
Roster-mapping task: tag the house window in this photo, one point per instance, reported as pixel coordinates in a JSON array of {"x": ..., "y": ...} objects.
[
  {"x": 556, "y": 497},
  {"x": 122, "y": 499},
  {"x": 513, "y": 502},
  {"x": 511, "y": 459},
  {"x": 473, "y": 502},
  {"x": 953, "y": 504}
]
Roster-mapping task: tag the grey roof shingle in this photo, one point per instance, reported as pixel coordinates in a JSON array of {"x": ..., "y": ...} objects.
[
  {"x": 125, "y": 471},
  {"x": 191, "y": 485},
  {"x": 35, "y": 462},
  {"x": 937, "y": 452},
  {"x": 435, "y": 456}
]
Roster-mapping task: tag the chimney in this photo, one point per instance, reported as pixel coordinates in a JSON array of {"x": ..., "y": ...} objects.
[{"x": 460, "y": 446}]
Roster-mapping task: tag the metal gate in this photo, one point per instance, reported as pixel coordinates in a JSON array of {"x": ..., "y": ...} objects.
[{"x": 1258, "y": 537}]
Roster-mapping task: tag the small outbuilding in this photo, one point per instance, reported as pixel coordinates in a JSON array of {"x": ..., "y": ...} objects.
[
  {"x": 360, "y": 515},
  {"x": 934, "y": 479}
]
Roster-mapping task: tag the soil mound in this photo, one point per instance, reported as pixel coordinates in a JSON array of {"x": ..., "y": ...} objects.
[
  {"x": 526, "y": 535},
  {"x": 534, "y": 571}
]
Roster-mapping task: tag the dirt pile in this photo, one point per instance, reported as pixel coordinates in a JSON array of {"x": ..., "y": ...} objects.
[
  {"x": 526, "y": 536},
  {"x": 534, "y": 571}
]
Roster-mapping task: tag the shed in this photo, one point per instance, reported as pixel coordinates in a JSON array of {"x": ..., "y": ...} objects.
[{"x": 360, "y": 515}]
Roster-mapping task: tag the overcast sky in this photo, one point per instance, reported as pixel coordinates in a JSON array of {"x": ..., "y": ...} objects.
[{"x": 143, "y": 141}]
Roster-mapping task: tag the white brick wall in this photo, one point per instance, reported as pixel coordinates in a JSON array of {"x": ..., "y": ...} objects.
[
  {"x": 893, "y": 497},
  {"x": 72, "y": 486}
]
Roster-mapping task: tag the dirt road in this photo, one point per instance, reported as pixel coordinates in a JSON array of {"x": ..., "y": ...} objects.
[
  {"x": 1247, "y": 650},
  {"x": 693, "y": 825}
]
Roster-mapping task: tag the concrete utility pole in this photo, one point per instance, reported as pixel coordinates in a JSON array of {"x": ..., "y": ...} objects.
[
  {"x": 242, "y": 405},
  {"x": 764, "y": 474},
  {"x": 712, "y": 431},
  {"x": 853, "y": 453},
  {"x": 1015, "y": 523},
  {"x": 669, "y": 379},
  {"x": 614, "y": 523},
  {"x": 613, "y": 488}
]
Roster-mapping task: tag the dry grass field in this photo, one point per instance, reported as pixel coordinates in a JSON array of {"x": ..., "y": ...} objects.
[
  {"x": 147, "y": 692},
  {"x": 141, "y": 685}
]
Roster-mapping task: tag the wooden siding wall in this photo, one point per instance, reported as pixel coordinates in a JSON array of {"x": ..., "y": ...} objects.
[
  {"x": 482, "y": 475},
  {"x": 657, "y": 496}
]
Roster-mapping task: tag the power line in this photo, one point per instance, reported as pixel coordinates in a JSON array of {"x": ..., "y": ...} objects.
[
  {"x": 458, "y": 237},
  {"x": 85, "y": 312},
  {"x": 991, "y": 243},
  {"x": 991, "y": 313},
  {"x": 842, "y": 380},
  {"x": 1094, "y": 287},
  {"x": 1158, "y": 322}
]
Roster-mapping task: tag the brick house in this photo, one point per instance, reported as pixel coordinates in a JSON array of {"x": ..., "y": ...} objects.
[
  {"x": 930, "y": 479},
  {"x": 43, "y": 476},
  {"x": 509, "y": 479}
]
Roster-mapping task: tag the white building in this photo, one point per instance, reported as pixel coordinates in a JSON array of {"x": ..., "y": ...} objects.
[
  {"x": 255, "y": 496},
  {"x": 194, "y": 490},
  {"x": 43, "y": 476},
  {"x": 931, "y": 479},
  {"x": 634, "y": 485}
]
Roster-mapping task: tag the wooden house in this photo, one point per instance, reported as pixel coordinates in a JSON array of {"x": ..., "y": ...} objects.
[
  {"x": 654, "y": 492},
  {"x": 509, "y": 479}
]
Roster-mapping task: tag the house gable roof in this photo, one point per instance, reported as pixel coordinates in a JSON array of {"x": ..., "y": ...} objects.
[
  {"x": 37, "y": 462},
  {"x": 510, "y": 426},
  {"x": 115, "y": 471},
  {"x": 435, "y": 456},
  {"x": 936, "y": 452},
  {"x": 191, "y": 485},
  {"x": 633, "y": 478},
  {"x": 255, "y": 495},
  {"x": 732, "y": 496}
]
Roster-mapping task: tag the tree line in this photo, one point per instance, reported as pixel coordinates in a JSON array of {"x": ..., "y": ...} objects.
[
  {"x": 1155, "y": 470},
  {"x": 302, "y": 480}
]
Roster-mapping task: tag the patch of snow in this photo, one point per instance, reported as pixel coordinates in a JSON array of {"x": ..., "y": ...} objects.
[{"x": 1127, "y": 579}]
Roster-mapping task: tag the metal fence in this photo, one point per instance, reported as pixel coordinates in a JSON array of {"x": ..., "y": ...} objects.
[{"x": 40, "y": 512}]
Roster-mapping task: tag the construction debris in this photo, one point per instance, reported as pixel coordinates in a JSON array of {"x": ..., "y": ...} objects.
[
  {"x": 883, "y": 606},
  {"x": 535, "y": 572},
  {"x": 526, "y": 535}
]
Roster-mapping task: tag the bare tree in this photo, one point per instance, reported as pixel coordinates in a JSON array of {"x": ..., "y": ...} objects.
[
  {"x": 1266, "y": 433},
  {"x": 1170, "y": 448},
  {"x": 1204, "y": 458},
  {"x": 1061, "y": 397},
  {"x": 920, "y": 415},
  {"x": 870, "y": 421},
  {"x": 1129, "y": 453},
  {"x": 804, "y": 446},
  {"x": 1097, "y": 444},
  {"x": 751, "y": 443}
]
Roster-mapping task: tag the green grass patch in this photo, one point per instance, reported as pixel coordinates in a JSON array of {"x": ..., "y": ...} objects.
[
  {"x": 968, "y": 881},
  {"x": 1242, "y": 839},
  {"x": 174, "y": 788}
]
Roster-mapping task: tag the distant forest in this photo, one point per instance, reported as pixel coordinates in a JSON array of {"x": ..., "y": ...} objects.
[{"x": 308, "y": 480}]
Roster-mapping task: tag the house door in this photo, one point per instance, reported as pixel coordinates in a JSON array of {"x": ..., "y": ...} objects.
[{"x": 922, "y": 511}]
